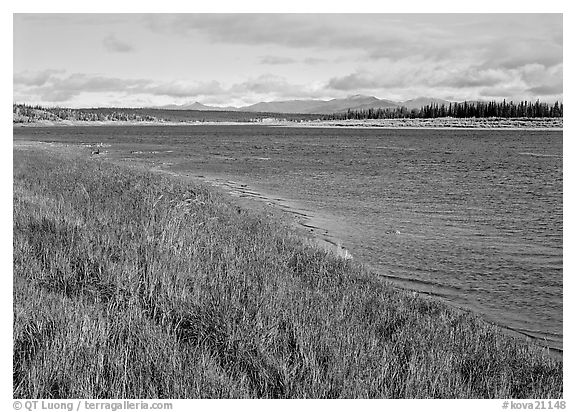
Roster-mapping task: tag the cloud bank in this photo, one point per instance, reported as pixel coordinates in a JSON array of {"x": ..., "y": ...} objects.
[
  {"x": 245, "y": 58},
  {"x": 112, "y": 44}
]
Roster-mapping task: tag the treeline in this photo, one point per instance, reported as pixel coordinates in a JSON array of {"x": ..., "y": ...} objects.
[
  {"x": 465, "y": 109},
  {"x": 23, "y": 113},
  {"x": 28, "y": 114}
]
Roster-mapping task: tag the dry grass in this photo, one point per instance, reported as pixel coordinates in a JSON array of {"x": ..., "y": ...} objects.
[{"x": 131, "y": 285}]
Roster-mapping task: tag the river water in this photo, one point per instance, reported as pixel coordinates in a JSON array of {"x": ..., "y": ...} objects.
[{"x": 473, "y": 217}]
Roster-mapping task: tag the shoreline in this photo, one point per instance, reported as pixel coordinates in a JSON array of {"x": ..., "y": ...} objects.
[
  {"x": 316, "y": 228},
  {"x": 409, "y": 124}
]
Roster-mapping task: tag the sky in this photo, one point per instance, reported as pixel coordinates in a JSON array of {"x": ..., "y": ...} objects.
[{"x": 131, "y": 60}]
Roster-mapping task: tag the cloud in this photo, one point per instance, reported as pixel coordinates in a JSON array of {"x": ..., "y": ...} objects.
[
  {"x": 314, "y": 60},
  {"x": 263, "y": 84},
  {"x": 537, "y": 73},
  {"x": 49, "y": 94},
  {"x": 354, "y": 81},
  {"x": 470, "y": 77},
  {"x": 60, "y": 89},
  {"x": 273, "y": 60},
  {"x": 53, "y": 86},
  {"x": 328, "y": 55},
  {"x": 75, "y": 19},
  {"x": 394, "y": 79},
  {"x": 507, "y": 40},
  {"x": 114, "y": 45},
  {"x": 443, "y": 52},
  {"x": 547, "y": 90},
  {"x": 505, "y": 91},
  {"x": 518, "y": 52},
  {"x": 279, "y": 60},
  {"x": 299, "y": 31},
  {"x": 181, "y": 89},
  {"x": 389, "y": 75},
  {"x": 39, "y": 78},
  {"x": 273, "y": 87},
  {"x": 442, "y": 79}
]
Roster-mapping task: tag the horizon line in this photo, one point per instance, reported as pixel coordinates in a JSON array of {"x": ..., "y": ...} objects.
[{"x": 509, "y": 100}]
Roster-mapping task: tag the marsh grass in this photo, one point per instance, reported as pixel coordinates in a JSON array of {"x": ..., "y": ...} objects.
[{"x": 133, "y": 285}]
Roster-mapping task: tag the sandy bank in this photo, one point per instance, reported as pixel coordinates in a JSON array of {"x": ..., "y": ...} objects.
[
  {"x": 437, "y": 123},
  {"x": 63, "y": 123}
]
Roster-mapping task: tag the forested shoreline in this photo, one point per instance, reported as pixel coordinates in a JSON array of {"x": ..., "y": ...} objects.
[
  {"x": 504, "y": 109},
  {"x": 24, "y": 113}
]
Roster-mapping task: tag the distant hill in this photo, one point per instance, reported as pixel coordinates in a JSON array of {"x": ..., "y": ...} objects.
[
  {"x": 423, "y": 101},
  {"x": 356, "y": 102},
  {"x": 288, "y": 106},
  {"x": 198, "y": 106}
]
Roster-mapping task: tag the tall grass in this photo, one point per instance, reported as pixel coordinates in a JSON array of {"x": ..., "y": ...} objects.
[{"x": 132, "y": 285}]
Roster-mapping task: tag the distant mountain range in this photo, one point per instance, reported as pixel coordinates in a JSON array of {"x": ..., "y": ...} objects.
[{"x": 356, "y": 102}]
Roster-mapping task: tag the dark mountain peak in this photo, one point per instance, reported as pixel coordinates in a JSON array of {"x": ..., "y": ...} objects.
[
  {"x": 317, "y": 106},
  {"x": 418, "y": 102},
  {"x": 357, "y": 96}
]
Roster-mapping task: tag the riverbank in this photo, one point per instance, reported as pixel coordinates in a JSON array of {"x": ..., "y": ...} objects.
[
  {"x": 442, "y": 123},
  {"x": 76, "y": 123},
  {"x": 178, "y": 292},
  {"x": 434, "y": 123}
]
